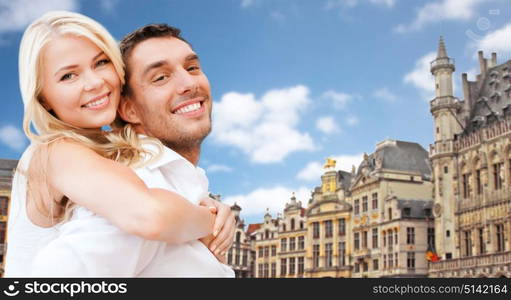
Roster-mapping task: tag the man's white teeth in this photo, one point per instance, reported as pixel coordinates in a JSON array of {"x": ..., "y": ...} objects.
[
  {"x": 96, "y": 103},
  {"x": 188, "y": 108}
]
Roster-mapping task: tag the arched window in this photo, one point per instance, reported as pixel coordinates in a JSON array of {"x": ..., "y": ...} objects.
[
  {"x": 509, "y": 166},
  {"x": 283, "y": 227},
  {"x": 266, "y": 234},
  {"x": 478, "y": 176},
  {"x": 238, "y": 236},
  {"x": 301, "y": 224},
  {"x": 465, "y": 181},
  {"x": 292, "y": 224},
  {"x": 497, "y": 171}
]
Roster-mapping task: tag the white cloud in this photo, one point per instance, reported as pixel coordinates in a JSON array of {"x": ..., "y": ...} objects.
[
  {"x": 471, "y": 74},
  {"x": 256, "y": 202},
  {"x": 331, "y": 4},
  {"x": 264, "y": 129},
  {"x": 278, "y": 16},
  {"x": 442, "y": 10},
  {"x": 313, "y": 170},
  {"x": 352, "y": 120},
  {"x": 421, "y": 77},
  {"x": 388, "y": 3},
  {"x": 385, "y": 94},
  {"x": 219, "y": 168},
  {"x": 340, "y": 99},
  {"x": 16, "y": 15},
  {"x": 497, "y": 41},
  {"x": 346, "y": 162},
  {"x": 327, "y": 125},
  {"x": 247, "y": 3},
  {"x": 109, "y": 5},
  {"x": 12, "y": 137}
]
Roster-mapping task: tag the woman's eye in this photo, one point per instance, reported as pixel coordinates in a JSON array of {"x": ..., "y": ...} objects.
[
  {"x": 67, "y": 76},
  {"x": 102, "y": 62}
]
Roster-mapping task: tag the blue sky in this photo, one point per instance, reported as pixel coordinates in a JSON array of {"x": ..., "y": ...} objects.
[{"x": 293, "y": 81}]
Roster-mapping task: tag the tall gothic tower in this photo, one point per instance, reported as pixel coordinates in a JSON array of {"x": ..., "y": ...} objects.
[{"x": 444, "y": 108}]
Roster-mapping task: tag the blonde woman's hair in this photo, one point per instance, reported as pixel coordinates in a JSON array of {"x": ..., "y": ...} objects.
[{"x": 121, "y": 143}]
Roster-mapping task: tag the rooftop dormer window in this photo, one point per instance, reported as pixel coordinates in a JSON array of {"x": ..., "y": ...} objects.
[
  {"x": 407, "y": 212},
  {"x": 427, "y": 212}
]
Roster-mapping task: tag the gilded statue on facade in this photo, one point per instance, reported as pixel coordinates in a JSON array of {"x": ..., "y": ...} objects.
[{"x": 330, "y": 163}]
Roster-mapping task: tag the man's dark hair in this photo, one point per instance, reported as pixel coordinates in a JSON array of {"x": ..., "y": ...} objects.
[{"x": 131, "y": 40}]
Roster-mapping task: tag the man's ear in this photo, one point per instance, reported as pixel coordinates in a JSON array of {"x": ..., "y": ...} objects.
[{"x": 128, "y": 111}]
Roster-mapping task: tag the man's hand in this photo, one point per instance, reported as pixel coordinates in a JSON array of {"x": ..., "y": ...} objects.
[{"x": 223, "y": 229}]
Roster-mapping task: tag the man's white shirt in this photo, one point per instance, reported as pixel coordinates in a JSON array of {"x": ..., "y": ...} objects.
[{"x": 90, "y": 246}]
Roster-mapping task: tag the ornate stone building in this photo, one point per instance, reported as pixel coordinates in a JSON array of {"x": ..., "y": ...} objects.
[
  {"x": 292, "y": 235},
  {"x": 392, "y": 200},
  {"x": 328, "y": 226},
  {"x": 240, "y": 256},
  {"x": 6, "y": 172},
  {"x": 265, "y": 242},
  {"x": 471, "y": 158},
  {"x": 375, "y": 221}
]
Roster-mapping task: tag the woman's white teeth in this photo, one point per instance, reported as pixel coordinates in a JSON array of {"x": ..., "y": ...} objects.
[
  {"x": 188, "y": 108},
  {"x": 96, "y": 103}
]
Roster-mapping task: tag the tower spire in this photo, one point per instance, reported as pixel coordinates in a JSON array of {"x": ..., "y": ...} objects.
[{"x": 442, "y": 52}]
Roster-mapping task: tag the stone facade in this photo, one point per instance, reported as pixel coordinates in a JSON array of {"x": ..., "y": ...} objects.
[
  {"x": 373, "y": 222},
  {"x": 453, "y": 207},
  {"x": 471, "y": 158},
  {"x": 6, "y": 172},
  {"x": 241, "y": 256},
  {"x": 265, "y": 242},
  {"x": 292, "y": 236}
]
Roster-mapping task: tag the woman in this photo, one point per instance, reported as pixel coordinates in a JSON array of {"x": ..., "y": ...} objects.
[{"x": 71, "y": 73}]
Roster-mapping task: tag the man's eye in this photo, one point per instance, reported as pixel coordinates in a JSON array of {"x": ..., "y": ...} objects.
[
  {"x": 67, "y": 76},
  {"x": 159, "y": 78},
  {"x": 193, "y": 68},
  {"x": 103, "y": 62}
]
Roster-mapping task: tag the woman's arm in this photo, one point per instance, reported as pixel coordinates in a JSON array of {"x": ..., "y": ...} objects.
[
  {"x": 114, "y": 191},
  {"x": 91, "y": 246}
]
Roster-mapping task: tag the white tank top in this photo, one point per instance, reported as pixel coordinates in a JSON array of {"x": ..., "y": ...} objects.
[{"x": 24, "y": 238}]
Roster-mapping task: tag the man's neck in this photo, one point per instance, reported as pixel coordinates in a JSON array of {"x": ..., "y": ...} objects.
[{"x": 191, "y": 155}]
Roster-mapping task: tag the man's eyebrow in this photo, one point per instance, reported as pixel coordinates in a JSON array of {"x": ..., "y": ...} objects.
[
  {"x": 192, "y": 57},
  {"x": 154, "y": 65},
  {"x": 160, "y": 63},
  {"x": 74, "y": 66}
]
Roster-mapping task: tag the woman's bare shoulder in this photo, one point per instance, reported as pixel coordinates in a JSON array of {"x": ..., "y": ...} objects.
[{"x": 65, "y": 150}]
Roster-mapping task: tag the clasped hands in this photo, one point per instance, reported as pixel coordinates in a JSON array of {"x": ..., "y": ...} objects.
[{"x": 223, "y": 230}]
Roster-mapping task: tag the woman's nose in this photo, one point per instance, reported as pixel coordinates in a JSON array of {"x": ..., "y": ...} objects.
[{"x": 92, "y": 81}]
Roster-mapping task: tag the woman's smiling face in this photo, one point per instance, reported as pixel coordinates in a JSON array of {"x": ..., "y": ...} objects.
[{"x": 79, "y": 82}]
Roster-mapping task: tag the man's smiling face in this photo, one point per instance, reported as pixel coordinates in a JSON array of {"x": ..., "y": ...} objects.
[{"x": 170, "y": 95}]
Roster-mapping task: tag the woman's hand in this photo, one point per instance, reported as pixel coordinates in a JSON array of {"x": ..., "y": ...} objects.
[
  {"x": 207, "y": 241},
  {"x": 223, "y": 229}
]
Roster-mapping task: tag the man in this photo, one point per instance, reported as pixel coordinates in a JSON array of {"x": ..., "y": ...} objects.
[{"x": 167, "y": 96}]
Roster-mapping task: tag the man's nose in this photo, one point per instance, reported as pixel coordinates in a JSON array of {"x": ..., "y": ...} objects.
[
  {"x": 185, "y": 83},
  {"x": 92, "y": 81}
]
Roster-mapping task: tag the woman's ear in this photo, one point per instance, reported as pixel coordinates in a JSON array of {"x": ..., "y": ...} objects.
[{"x": 127, "y": 110}]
